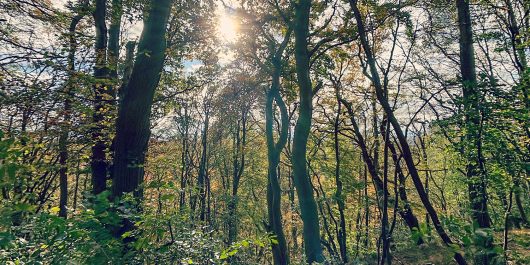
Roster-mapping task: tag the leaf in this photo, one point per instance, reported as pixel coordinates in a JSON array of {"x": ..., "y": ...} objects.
[
  {"x": 245, "y": 243},
  {"x": 55, "y": 210},
  {"x": 232, "y": 252},
  {"x": 126, "y": 234},
  {"x": 466, "y": 240}
]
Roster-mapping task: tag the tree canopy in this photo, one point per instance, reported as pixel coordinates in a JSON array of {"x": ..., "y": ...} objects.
[{"x": 264, "y": 132}]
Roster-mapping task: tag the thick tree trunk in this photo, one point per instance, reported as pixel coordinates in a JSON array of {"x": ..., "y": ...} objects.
[
  {"x": 127, "y": 70},
  {"x": 472, "y": 151},
  {"x": 308, "y": 207},
  {"x": 99, "y": 130},
  {"x": 407, "y": 153},
  {"x": 133, "y": 125},
  {"x": 114, "y": 44}
]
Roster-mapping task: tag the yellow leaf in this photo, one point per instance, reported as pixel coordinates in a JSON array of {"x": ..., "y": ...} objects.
[{"x": 55, "y": 209}]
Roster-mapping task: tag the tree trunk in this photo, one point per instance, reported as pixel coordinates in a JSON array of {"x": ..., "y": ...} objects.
[
  {"x": 67, "y": 108},
  {"x": 474, "y": 168},
  {"x": 114, "y": 43},
  {"x": 99, "y": 130},
  {"x": 308, "y": 207},
  {"x": 406, "y": 213},
  {"x": 133, "y": 125},
  {"x": 341, "y": 234},
  {"x": 385, "y": 256},
  {"x": 238, "y": 168},
  {"x": 274, "y": 149},
  {"x": 202, "y": 166}
]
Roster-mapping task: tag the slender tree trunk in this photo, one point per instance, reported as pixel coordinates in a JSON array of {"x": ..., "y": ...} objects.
[
  {"x": 302, "y": 181},
  {"x": 519, "y": 203},
  {"x": 377, "y": 144},
  {"x": 274, "y": 149},
  {"x": 67, "y": 108},
  {"x": 385, "y": 257},
  {"x": 238, "y": 168},
  {"x": 113, "y": 88},
  {"x": 202, "y": 166},
  {"x": 406, "y": 213},
  {"x": 76, "y": 185},
  {"x": 407, "y": 153},
  {"x": 507, "y": 214},
  {"x": 370, "y": 163},
  {"x": 294, "y": 228},
  {"x": 341, "y": 234},
  {"x": 184, "y": 159}
]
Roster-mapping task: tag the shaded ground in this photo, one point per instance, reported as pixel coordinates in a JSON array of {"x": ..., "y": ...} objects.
[
  {"x": 518, "y": 252},
  {"x": 424, "y": 254}
]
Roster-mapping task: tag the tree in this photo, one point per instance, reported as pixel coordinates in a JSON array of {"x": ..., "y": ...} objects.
[
  {"x": 67, "y": 109},
  {"x": 308, "y": 206},
  {"x": 274, "y": 149},
  {"x": 407, "y": 154},
  {"x": 132, "y": 124}
]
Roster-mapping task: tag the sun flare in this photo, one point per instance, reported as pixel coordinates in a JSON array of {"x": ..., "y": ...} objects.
[{"x": 227, "y": 27}]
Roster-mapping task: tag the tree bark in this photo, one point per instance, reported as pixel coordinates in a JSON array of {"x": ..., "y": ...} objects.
[
  {"x": 133, "y": 124},
  {"x": 341, "y": 234},
  {"x": 475, "y": 172},
  {"x": 203, "y": 166},
  {"x": 99, "y": 131},
  {"x": 308, "y": 207},
  {"x": 238, "y": 168},
  {"x": 67, "y": 108},
  {"x": 274, "y": 149}
]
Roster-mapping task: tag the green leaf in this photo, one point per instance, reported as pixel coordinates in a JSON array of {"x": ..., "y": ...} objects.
[
  {"x": 232, "y": 252},
  {"x": 126, "y": 234},
  {"x": 467, "y": 241},
  {"x": 245, "y": 243}
]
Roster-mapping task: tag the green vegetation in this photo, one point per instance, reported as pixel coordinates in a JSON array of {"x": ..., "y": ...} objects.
[{"x": 264, "y": 132}]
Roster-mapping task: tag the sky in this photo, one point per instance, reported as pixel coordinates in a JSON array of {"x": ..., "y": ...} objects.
[{"x": 227, "y": 30}]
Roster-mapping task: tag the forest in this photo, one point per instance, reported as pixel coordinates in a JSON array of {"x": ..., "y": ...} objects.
[{"x": 265, "y": 132}]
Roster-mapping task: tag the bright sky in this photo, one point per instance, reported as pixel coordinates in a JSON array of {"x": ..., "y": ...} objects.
[
  {"x": 227, "y": 30},
  {"x": 227, "y": 26}
]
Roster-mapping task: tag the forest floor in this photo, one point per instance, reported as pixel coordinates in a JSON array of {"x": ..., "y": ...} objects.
[
  {"x": 519, "y": 247},
  {"x": 425, "y": 254},
  {"x": 437, "y": 254}
]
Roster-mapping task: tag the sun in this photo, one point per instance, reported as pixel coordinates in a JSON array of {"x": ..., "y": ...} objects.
[{"x": 227, "y": 27}]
